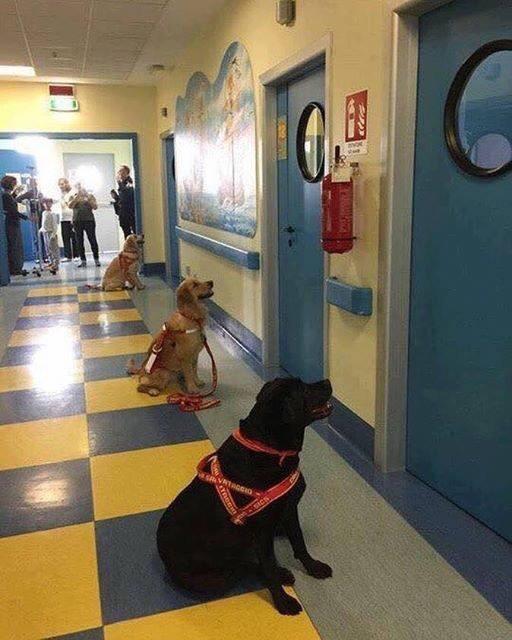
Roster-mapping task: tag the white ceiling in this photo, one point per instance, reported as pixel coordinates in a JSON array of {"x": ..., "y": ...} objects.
[{"x": 99, "y": 40}]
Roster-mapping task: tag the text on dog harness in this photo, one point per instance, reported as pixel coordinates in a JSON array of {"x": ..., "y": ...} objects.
[{"x": 224, "y": 487}]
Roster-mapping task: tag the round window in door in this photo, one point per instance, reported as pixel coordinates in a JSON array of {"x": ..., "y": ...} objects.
[
  {"x": 478, "y": 111},
  {"x": 310, "y": 142}
]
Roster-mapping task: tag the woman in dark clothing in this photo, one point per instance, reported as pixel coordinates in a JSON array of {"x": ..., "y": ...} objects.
[
  {"x": 84, "y": 204},
  {"x": 12, "y": 226},
  {"x": 126, "y": 200}
]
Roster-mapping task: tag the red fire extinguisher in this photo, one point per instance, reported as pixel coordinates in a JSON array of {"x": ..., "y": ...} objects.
[{"x": 338, "y": 208}]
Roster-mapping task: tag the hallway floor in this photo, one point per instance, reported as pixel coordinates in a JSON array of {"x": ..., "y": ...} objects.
[{"x": 87, "y": 464}]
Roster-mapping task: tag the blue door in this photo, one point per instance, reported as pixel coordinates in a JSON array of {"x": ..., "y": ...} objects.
[
  {"x": 172, "y": 266},
  {"x": 301, "y": 262},
  {"x": 12, "y": 162},
  {"x": 459, "y": 432}
]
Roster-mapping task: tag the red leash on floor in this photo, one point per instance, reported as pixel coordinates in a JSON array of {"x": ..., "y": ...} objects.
[{"x": 189, "y": 403}]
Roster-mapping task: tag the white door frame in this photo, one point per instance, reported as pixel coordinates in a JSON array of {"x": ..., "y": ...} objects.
[
  {"x": 395, "y": 231},
  {"x": 268, "y": 191}
]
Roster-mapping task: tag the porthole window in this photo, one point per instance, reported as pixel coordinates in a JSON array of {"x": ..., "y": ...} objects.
[
  {"x": 478, "y": 111},
  {"x": 310, "y": 142}
]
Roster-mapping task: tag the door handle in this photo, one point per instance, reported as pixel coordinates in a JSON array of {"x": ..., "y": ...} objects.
[{"x": 289, "y": 229}]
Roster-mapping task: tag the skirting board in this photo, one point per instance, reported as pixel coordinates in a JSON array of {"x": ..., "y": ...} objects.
[
  {"x": 352, "y": 427},
  {"x": 154, "y": 269},
  {"x": 238, "y": 340}
]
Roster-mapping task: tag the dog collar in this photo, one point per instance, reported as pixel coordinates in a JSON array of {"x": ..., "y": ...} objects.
[{"x": 254, "y": 445}]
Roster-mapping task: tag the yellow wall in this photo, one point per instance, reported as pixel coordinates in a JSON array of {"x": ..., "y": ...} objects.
[
  {"x": 358, "y": 31},
  {"x": 103, "y": 108}
]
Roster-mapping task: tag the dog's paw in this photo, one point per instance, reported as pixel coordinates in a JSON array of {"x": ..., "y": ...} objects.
[
  {"x": 153, "y": 392},
  {"x": 317, "y": 569},
  {"x": 193, "y": 390},
  {"x": 287, "y": 605},
  {"x": 286, "y": 577}
]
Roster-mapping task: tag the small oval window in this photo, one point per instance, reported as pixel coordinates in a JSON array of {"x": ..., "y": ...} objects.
[
  {"x": 478, "y": 111},
  {"x": 310, "y": 142}
]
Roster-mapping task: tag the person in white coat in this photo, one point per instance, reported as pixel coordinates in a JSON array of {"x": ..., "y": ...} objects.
[{"x": 66, "y": 221}]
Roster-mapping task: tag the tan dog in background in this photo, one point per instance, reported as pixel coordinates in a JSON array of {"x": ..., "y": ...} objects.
[
  {"x": 125, "y": 266},
  {"x": 181, "y": 342}
]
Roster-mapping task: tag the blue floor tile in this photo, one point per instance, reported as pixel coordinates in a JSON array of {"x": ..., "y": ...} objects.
[
  {"x": 42, "y": 322},
  {"x": 89, "y": 331},
  {"x": 91, "y": 634},
  {"x": 51, "y": 299},
  {"x": 141, "y": 428},
  {"x": 34, "y": 404},
  {"x": 26, "y": 355},
  {"x": 45, "y": 497},
  {"x": 104, "y": 305},
  {"x": 133, "y": 581},
  {"x": 109, "y": 367}
]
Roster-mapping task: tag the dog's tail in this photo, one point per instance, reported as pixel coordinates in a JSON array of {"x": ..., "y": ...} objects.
[{"x": 132, "y": 368}]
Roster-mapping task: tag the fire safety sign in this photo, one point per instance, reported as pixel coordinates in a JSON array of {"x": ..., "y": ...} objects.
[{"x": 356, "y": 123}]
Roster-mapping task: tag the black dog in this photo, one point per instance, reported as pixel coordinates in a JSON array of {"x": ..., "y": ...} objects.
[{"x": 206, "y": 539}]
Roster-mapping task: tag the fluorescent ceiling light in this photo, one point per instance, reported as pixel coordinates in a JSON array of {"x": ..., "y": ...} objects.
[{"x": 16, "y": 70}]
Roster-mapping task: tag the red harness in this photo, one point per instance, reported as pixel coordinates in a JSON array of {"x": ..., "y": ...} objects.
[
  {"x": 187, "y": 403},
  {"x": 261, "y": 499},
  {"x": 125, "y": 261}
]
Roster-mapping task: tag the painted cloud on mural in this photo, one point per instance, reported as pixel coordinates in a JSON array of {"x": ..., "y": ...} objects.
[{"x": 215, "y": 142}]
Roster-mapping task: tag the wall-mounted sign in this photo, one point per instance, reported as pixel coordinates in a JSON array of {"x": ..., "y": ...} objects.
[
  {"x": 62, "y": 97},
  {"x": 356, "y": 123}
]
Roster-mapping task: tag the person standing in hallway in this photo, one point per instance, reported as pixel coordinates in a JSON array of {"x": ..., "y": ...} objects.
[
  {"x": 66, "y": 221},
  {"x": 83, "y": 205},
  {"x": 126, "y": 200},
  {"x": 15, "y": 253}
]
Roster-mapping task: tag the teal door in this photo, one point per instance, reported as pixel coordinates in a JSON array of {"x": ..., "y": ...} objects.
[
  {"x": 459, "y": 423},
  {"x": 301, "y": 262}
]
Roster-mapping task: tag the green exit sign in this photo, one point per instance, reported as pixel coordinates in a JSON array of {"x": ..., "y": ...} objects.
[{"x": 63, "y": 103}]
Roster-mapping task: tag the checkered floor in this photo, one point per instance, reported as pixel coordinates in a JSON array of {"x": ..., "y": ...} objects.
[{"x": 86, "y": 466}]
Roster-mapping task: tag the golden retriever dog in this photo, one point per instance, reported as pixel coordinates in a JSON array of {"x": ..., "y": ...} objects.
[
  {"x": 180, "y": 344},
  {"x": 125, "y": 266}
]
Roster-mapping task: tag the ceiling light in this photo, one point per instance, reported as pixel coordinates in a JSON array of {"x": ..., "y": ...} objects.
[{"x": 16, "y": 70}]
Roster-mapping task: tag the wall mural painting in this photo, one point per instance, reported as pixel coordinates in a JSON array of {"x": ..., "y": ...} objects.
[{"x": 215, "y": 141}]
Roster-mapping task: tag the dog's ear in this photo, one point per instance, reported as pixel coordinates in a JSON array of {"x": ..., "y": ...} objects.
[
  {"x": 293, "y": 408},
  {"x": 269, "y": 390}
]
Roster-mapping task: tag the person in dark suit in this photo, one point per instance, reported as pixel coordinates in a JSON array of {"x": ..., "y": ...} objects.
[
  {"x": 126, "y": 201},
  {"x": 10, "y": 201}
]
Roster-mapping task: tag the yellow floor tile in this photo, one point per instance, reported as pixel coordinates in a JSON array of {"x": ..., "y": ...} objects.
[
  {"x": 143, "y": 480},
  {"x": 46, "y": 336},
  {"x": 43, "y": 441},
  {"x": 247, "y": 617},
  {"x": 118, "y": 393},
  {"x": 52, "y": 291},
  {"x": 49, "y": 584},
  {"x": 60, "y": 309},
  {"x": 51, "y": 375},
  {"x": 103, "y": 347},
  {"x": 105, "y": 317},
  {"x": 98, "y": 296}
]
